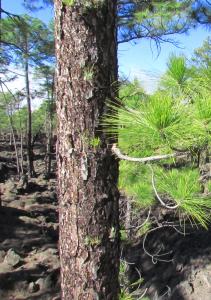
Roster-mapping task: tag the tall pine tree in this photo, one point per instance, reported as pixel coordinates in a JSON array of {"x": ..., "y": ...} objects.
[{"x": 87, "y": 171}]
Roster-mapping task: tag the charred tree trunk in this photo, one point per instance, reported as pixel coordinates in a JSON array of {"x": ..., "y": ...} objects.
[
  {"x": 48, "y": 159},
  {"x": 30, "y": 155},
  {"x": 21, "y": 141},
  {"x": 15, "y": 146},
  {"x": 87, "y": 173},
  {"x": 49, "y": 131}
]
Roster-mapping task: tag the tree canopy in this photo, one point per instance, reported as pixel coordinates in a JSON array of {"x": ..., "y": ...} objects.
[{"x": 155, "y": 20}]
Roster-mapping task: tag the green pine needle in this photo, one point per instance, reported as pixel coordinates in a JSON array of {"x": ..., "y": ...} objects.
[{"x": 184, "y": 188}]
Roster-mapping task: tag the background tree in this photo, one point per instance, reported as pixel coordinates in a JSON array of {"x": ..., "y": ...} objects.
[
  {"x": 20, "y": 123},
  {"x": 202, "y": 55},
  {"x": 46, "y": 74},
  {"x": 27, "y": 45},
  {"x": 130, "y": 93},
  {"x": 9, "y": 105},
  {"x": 201, "y": 66}
]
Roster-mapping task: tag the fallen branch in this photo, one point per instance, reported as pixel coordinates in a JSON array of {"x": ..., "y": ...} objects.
[{"x": 157, "y": 256}]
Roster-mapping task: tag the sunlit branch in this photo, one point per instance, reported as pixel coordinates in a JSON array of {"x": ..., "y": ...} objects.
[{"x": 118, "y": 153}]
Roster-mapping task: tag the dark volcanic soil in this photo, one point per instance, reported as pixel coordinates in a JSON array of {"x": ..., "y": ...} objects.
[{"x": 29, "y": 262}]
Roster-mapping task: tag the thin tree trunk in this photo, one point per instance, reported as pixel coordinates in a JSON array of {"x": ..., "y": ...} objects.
[
  {"x": 87, "y": 175},
  {"x": 10, "y": 135},
  {"x": 48, "y": 134},
  {"x": 21, "y": 140},
  {"x": 15, "y": 146},
  {"x": 30, "y": 158},
  {"x": 48, "y": 145},
  {"x": 48, "y": 148},
  {"x": 50, "y": 129}
]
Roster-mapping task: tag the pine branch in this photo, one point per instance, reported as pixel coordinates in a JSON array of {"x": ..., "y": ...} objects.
[
  {"x": 118, "y": 153},
  {"x": 158, "y": 196}
]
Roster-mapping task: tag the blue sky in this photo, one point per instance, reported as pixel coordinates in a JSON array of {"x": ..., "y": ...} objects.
[
  {"x": 141, "y": 60},
  {"x": 135, "y": 60},
  {"x": 144, "y": 55},
  {"x": 16, "y": 7}
]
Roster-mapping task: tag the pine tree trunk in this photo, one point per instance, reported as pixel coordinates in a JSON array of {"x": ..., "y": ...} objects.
[
  {"x": 15, "y": 147},
  {"x": 49, "y": 121},
  {"x": 21, "y": 140},
  {"x": 30, "y": 155},
  {"x": 87, "y": 171}
]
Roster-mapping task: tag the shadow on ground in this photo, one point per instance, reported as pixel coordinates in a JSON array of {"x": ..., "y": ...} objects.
[{"x": 186, "y": 277}]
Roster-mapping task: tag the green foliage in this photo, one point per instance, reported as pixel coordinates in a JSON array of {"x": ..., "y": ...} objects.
[
  {"x": 176, "y": 118},
  {"x": 148, "y": 19},
  {"x": 92, "y": 241},
  {"x": 209, "y": 186},
  {"x": 123, "y": 235},
  {"x": 20, "y": 119},
  {"x": 144, "y": 229},
  {"x": 126, "y": 293},
  {"x": 68, "y": 2},
  {"x": 39, "y": 117},
  {"x": 183, "y": 187},
  {"x": 95, "y": 142},
  {"x": 131, "y": 94},
  {"x": 86, "y": 3},
  {"x": 93, "y": 3},
  {"x": 88, "y": 73},
  {"x": 203, "y": 109},
  {"x": 185, "y": 81},
  {"x": 4, "y": 124},
  {"x": 134, "y": 179},
  {"x": 27, "y": 38},
  {"x": 8, "y": 107},
  {"x": 159, "y": 125},
  {"x": 158, "y": 20},
  {"x": 202, "y": 55},
  {"x": 177, "y": 68},
  {"x": 122, "y": 268},
  {"x": 177, "y": 76},
  {"x": 198, "y": 85}
]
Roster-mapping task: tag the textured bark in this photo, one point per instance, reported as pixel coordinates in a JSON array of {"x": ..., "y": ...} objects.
[{"x": 87, "y": 172}]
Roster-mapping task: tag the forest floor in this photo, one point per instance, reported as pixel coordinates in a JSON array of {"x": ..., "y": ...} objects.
[{"x": 29, "y": 261}]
